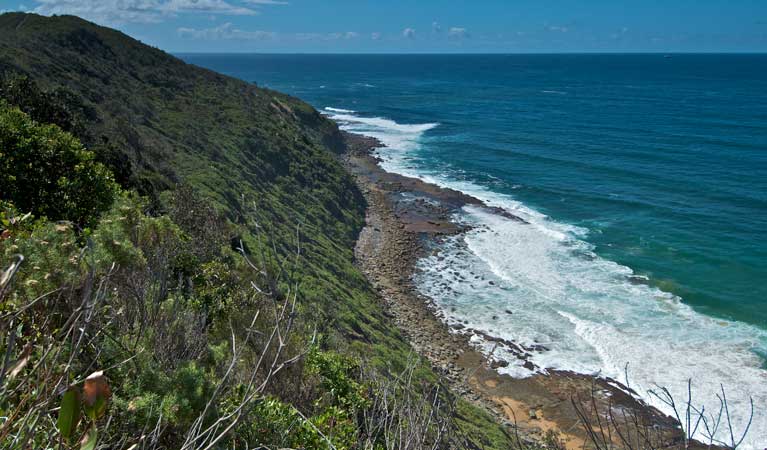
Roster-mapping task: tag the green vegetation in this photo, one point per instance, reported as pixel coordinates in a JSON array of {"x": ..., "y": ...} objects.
[
  {"x": 46, "y": 171},
  {"x": 212, "y": 281}
]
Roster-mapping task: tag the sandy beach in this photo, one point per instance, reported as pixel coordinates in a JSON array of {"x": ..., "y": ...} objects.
[{"x": 404, "y": 216}]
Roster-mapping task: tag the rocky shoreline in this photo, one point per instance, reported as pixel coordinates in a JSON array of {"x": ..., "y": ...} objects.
[{"x": 404, "y": 216}]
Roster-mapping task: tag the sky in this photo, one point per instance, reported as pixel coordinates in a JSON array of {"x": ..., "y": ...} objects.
[{"x": 426, "y": 26}]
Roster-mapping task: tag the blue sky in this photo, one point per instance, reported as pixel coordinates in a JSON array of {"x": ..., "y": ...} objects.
[{"x": 511, "y": 26}]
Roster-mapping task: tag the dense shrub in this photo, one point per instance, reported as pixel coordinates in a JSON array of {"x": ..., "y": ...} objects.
[
  {"x": 47, "y": 172},
  {"x": 59, "y": 107},
  {"x": 70, "y": 112}
]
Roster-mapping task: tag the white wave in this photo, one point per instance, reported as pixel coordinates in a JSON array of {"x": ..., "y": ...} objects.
[
  {"x": 399, "y": 140},
  {"x": 385, "y": 125},
  {"x": 339, "y": 110},
  {"x": 590, "y": 316},
  {"x": 541, "y": 283}
]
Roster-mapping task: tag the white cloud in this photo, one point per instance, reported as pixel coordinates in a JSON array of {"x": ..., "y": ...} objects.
[
  {"x": 226, "y": 31},
  {"x": 375, "y": 36},
  {"x": 620, "y": 33},
  {"x": 145, "y": 11},
  {"x": 559, "y": 29},
  {"x": 345, "y": 35},
  {"x": 458, "y": 33},
  {"x": 408, "y": 33},
  {"x": 104, "y": 11},
  {"x": 436, "y": 27},
  {"x": 307, "y": 36},
  {"x": 205, "y": 6},
  {"x": 337, "y": 36}
]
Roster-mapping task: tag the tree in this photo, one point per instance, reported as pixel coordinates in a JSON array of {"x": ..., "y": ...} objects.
[
  {"x": 59, "y": 107},
  {"x": 46, "y": 171}
]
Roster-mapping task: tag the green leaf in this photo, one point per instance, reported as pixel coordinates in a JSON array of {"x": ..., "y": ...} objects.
[
  {"x": 69, "y": 413},
  {"x": 88, "y": 442}
]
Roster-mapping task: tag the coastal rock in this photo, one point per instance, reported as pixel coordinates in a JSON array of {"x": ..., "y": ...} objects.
[
  {"x": 389, "y": 259},
  {"x": 497, "y": 364}
]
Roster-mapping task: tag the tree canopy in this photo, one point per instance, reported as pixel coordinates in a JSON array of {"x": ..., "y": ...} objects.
[{"x": 48, "y": 172}]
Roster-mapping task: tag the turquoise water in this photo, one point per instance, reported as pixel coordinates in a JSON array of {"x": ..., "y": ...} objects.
[{"x": 644, "y": 178}]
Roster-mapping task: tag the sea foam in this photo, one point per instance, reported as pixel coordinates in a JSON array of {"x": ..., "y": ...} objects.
[
  {"x": 541, "y": 284},
  {"x": 339, "y": 110},
  {"x": 398, "y": 140}
]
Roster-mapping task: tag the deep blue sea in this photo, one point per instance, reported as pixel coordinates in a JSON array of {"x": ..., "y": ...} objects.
[{"x": 643, "y": 177}]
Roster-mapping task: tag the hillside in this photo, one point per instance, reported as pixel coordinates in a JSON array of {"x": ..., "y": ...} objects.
[
  {"x": 226, "y": 166},
  {"x": 174, "y": 122}
]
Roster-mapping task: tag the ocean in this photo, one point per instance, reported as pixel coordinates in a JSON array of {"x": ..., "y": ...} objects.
[{"x": 644, "y": 182}]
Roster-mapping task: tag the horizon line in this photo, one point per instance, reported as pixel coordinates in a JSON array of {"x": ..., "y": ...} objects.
[{"x": 649, "y": 53}]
